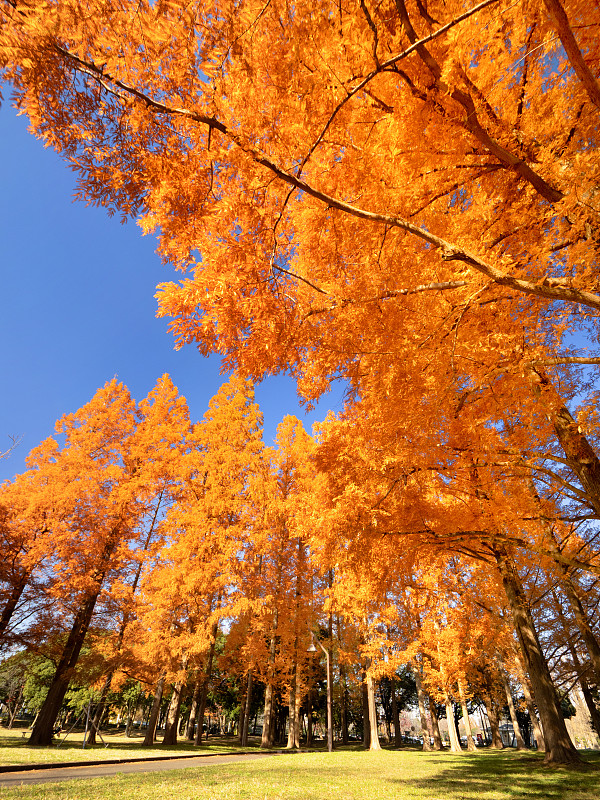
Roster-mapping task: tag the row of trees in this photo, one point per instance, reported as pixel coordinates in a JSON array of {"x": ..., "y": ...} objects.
[
  {"x": 402, "y": 195},
  {"x": 145, "y": 540}
]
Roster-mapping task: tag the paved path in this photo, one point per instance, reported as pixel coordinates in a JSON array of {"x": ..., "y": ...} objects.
[{"x": 57, "y": 774}]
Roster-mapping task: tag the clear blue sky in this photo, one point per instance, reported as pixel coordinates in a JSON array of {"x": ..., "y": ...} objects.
[{"x": 78, "y": 307}]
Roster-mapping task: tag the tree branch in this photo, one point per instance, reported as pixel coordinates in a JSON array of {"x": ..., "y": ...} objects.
[
  {"x": 448, "y": 251},
  {"x": 583, "y": 72}
]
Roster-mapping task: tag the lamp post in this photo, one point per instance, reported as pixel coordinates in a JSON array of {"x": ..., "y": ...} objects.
[{"x": 313, "y": 649}]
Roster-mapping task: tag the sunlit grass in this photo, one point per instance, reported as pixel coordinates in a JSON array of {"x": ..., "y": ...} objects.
[
  {"x": 14, "y": 749},
  {"x": 386, "y": 775}
]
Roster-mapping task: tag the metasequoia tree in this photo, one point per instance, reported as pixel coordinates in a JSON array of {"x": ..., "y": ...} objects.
[
  {"x": 199, "y": 570},
  {"x": 400, "y": 195},
  {"x": 107, "y": 477}
]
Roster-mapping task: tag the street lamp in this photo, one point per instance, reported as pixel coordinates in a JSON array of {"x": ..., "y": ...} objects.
[{"x": 312, "y": 649}]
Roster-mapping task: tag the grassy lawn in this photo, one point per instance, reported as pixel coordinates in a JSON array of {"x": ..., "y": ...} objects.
[
  {"x": 14, "y": 749},
  {"x": 388, "y": 775}
]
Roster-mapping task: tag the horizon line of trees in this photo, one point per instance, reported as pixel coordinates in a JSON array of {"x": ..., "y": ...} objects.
[{"x": 142, "y": 550}]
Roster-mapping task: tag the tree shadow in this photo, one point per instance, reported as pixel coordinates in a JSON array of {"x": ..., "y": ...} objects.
[{"x": 474, "y": 776}]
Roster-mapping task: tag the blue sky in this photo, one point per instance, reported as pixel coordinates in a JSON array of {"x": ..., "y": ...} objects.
[{"x": 78, "y": 307}]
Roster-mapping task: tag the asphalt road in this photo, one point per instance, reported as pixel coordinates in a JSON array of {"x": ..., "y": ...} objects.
[{"x": 58, "y": 774}]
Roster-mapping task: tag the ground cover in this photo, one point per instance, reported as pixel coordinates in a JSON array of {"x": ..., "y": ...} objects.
[
  {"x": 14, "y": 749},
  {"x": 386, "y": 775}
]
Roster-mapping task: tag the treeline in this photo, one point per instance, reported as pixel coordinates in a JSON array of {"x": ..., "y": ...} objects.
[{"x": 148, "y": 558}]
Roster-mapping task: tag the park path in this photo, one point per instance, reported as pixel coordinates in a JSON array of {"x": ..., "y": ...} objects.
[{"x": 57, "y": 774}]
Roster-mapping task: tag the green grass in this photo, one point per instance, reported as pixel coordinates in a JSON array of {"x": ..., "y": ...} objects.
[
  {"x": 14, "y": 749},
  {"x": 387, "y": 775}
]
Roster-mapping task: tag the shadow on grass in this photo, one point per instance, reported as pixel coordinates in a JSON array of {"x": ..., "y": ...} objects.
[{"x": 510, "y": 775}]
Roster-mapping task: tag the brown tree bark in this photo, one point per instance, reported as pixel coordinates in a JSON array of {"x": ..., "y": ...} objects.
[
  {"x": 153, "y": 719},
  {"x": 421, "y": 697},
  {"x": 246, "y": 715},
  {"x": 581, "y": 456},
  {"x": 529, "y": 702},
  {"x": 44, "y": 725},
  {"x": 366, "y": 715},
  {"x": 190, "y": 728},
  {"x": 172, "y": 723},
  {"x": 12, "y": 601},
  {"x": 435, "y": 725},
  {"x": 559, "y": 747},
  {"x": 268, "y": 734},
  {"x": 493, "y": 719}
]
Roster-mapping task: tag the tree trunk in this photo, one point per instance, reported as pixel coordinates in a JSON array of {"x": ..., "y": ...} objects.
[
  {"x": 492, "y": 715},
  {"x": 172, "y": 723},
  {"x": 582, "y": 621},
  {"x": 585, "y": 688},
  {"x": 246, "y": 716},
  {"x": 344, "y": 704},
  {"x": 309, "y": 719},
  {"x": 205, "y": 683},
  {"x": 535, "y": 723},
  {"x": 366, "y": 714},
  {"x": 559, "y": 747},
  {"x": 530, "y": 703},
  {"x": 452, "y": 732},
  {"x": 268, "y": 733},
  {"x": 190, "y": 728},
  {"x": 43, "y": 728},
  {"x": 416, "y": 669},
  {"x": 13, "y": 601},
  {"x": 471, "y": 747},
  {"x": 581, "y": 456},
  {"x": 435, "y": 725},
  {"x": 153, "y": 719},
  {"x": 374, "y": 734},
  {"x": 395, "y": 715},
  {"x": 512, "y": 711}
]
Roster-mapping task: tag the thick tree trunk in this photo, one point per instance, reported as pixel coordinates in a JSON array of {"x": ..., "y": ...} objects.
[
  {"x": 452, "y": 732},
  {"x": 44, "y": 725},
  {"x": 435, "y": 725},
  {"x": 13, "y": 601},
  {"x": 580, "y": 454},
  {"x": 153, "y": 718},
  {"x": 190, "y": 728},
  {"x": 172, "y": 723},
  {"x": 559, "y": 747},
  {"x": 374, "y": 734},
  {"x": 421, "y": 698},
  {"x": 366, "y": 714},
  {"x": 493, "y": 719}
]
